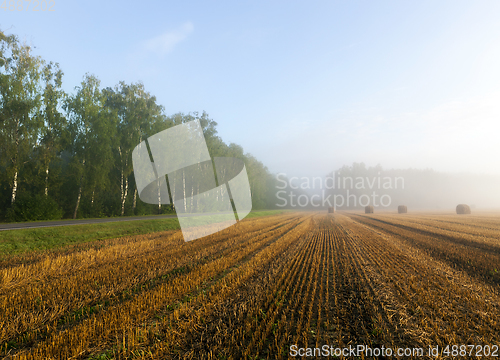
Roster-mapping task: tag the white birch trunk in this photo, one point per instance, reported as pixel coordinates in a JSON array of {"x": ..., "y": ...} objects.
[
  {"x": 121, "y": 181},
  {"x": 47, "y": 180},
  {"x": 124, "y": 196},
  {"x": 134, "y": 203},
  {"x": 159, "y": 196},
  {"x": 16, "y": 170},
  {"x": 14, "y": 188},
  {"x": 184, "y": 190},
  {"x": 78, "y": 201},
  {"x": 197, "y": 198},
  {"x": 173, "y": 193},
  {"x": 79, "y": 193},
  {"x": 192, "y": 199}
]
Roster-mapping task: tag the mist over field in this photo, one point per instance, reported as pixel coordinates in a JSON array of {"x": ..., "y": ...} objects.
[{"x": 356, "y": 186}]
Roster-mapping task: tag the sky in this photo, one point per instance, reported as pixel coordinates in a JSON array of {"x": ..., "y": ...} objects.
[{"x": 305, "y": 87}]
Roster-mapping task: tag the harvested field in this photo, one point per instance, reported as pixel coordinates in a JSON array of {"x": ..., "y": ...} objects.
[{"x": 257, "y": 288}]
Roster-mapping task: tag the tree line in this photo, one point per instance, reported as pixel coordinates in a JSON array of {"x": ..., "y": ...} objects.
[
  {"x": 70, "y": 155},
  {"x": 416, "y": 188}
]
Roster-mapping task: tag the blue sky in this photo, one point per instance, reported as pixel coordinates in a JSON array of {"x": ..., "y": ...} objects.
[{"x": 306, "y": 87}]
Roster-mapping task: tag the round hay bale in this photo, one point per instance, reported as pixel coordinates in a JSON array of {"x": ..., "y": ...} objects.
[
  {"x": 402, "y": 209},
  {"x": 463, "y": 209},
  {"x": 331, "y": 210},
  {"x": 369, "y": 209}
]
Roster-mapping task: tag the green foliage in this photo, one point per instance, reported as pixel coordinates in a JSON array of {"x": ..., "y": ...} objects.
[
  {"x": 34, "y": 208},
  {"x": 76, "y": 149},
  {"x": 20, "y": 99}
]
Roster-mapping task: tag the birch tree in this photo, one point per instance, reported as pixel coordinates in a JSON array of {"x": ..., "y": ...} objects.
[
  {"x": 137, "y": 115},
  {"x": 92, "y": 130},
  {"x": 20, "y": 96},
  {"x": 53, "y": 132}
]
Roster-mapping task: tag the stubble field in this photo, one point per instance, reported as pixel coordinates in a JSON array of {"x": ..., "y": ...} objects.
[{"x": 260, "y": 289}]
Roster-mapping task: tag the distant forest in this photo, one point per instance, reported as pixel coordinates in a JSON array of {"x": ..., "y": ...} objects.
[
  {"x": 416, "y": 188},
  {"x": 70, "y": 155}
]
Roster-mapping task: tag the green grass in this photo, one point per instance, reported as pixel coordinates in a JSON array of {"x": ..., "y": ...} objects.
[
  {"x": 15, "y": 242},
  {"x": 264, "y": 213}
]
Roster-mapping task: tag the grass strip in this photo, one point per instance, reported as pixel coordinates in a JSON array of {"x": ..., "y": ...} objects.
[{"x": 16, "y": 242}]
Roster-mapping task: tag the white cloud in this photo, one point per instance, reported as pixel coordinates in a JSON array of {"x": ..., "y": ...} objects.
[{"x": 166, "y": 42}]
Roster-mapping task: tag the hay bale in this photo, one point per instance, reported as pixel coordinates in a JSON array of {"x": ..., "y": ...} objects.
[
  {"x": 402, "y": 209},
  {"x": 463, "y": 209},
  {"x": 369, "y": 209},
  {"x": 331, "y": 210}
]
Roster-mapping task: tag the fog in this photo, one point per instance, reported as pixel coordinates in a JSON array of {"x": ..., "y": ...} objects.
[
  {"x": 448, "y": 154},
  {"x": 356, "y": 186}
]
